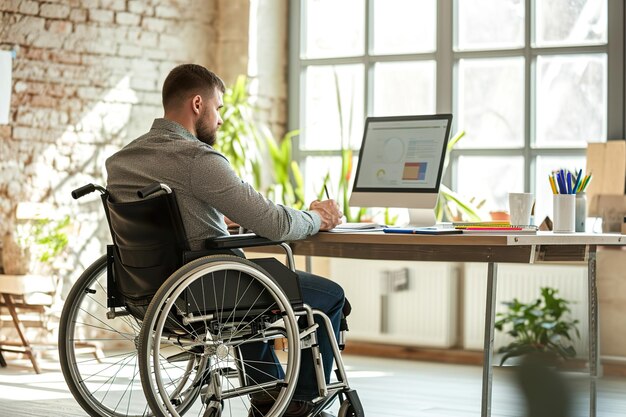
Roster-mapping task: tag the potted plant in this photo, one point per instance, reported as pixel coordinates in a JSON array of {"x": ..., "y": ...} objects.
[
  {"x": 540, "y": 326},
  {"x": 239, "y": 137},
  {"x": 449, "y": 200},
  {"x": 34, "y": 244},
  {"x": 287, "y": 185}
]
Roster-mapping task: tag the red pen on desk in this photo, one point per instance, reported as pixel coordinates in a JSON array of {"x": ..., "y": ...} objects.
[{"x": 494, "y": 228}]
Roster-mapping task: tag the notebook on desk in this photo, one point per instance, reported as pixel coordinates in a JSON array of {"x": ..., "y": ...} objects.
[
  {"x": 495, "y": 227},
  {"x": 357, "y": 227},
  {"x": 434, "y": 230},
  {"x": 511, "y": 230}
]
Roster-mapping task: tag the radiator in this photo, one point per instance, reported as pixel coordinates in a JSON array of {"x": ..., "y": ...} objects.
[
  {"x": 522, "y": 282},
  {"x": 412, "y": 303},
  {"x": 425, "y": 311}
]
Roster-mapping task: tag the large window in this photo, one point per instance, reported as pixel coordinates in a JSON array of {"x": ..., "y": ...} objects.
[{"x": 530, "y": 82}]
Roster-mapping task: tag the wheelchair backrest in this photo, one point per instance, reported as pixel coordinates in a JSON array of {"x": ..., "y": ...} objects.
[{"x": 149, "y": 240}]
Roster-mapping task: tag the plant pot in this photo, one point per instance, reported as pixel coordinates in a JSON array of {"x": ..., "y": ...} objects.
[
  {"x": 499, "y": 216},
  {"x": 511, "y": 363},
  {"x": 15, "y": 259}
]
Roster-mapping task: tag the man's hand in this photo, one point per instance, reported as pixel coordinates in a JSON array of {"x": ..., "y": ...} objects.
[{"x": 328, "y": 211}]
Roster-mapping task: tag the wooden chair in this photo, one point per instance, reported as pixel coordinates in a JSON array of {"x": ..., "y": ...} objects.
[{"x": 25, "y": 301}]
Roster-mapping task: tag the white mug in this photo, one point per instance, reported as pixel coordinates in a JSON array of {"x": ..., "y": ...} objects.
[{"x": 520, "y": 207}]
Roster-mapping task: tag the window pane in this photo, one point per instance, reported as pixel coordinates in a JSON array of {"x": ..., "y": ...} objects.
[
  {"x": 404, "y": 26},
  {"x": 490, "y": 24},
  {"x": 490, "y": 179},
  {"x": 570, "y": 22},
  {"x": 416, "y": 81},
  {"x": 571, "y": 100},
  {"x": 314, "y": 170},
  {"x": 491, "y": 102},
  {"x": 333, "y": 28},
  {"x": 332, "y": 117},
  {"x": 543, "y": 193}
]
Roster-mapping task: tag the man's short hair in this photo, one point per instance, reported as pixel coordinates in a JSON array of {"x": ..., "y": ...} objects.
[{"x": 187, "y": 80}]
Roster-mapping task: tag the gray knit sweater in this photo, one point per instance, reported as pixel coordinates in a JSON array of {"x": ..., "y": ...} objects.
[{"x": 205, "y": 184}]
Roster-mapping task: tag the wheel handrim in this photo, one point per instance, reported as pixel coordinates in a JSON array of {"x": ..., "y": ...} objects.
[{"x": 168, "y": 303}]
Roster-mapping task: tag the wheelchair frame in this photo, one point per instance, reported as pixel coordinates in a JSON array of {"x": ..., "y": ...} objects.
[{"x": 165, "y": 322}]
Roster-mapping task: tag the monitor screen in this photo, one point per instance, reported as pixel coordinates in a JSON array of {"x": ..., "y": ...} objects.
[{"x": 401, "y": 161}]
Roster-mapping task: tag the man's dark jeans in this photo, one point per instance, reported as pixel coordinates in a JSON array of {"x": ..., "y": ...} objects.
[{"x": 321, "y": 294}]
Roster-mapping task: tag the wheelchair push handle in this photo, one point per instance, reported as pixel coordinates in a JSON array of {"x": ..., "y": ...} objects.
[
  {"x": 153, "y": 188},
  {"x": 86, "y": 189}
]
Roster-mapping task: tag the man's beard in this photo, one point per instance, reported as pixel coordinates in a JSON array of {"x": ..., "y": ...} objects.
[{"x": 204, "y": 133}]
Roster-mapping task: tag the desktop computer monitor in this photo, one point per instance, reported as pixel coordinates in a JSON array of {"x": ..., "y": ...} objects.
[{"x": 401, "y": 163}]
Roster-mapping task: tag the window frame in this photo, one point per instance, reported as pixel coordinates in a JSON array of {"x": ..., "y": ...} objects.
[{"x": 447, "y": 59}]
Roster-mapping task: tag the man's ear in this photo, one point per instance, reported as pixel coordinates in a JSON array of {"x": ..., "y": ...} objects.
[{"x": 196, "y": 104}]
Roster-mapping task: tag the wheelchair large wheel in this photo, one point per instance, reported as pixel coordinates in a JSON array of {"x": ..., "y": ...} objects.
[
  {"x": 200, "y": 312},
  {"x": 98, "y": 354}
]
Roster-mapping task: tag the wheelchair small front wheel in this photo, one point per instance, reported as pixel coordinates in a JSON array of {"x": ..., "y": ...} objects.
[
  {"x": 351, "y": 406},
  {"x": 219, "y": 309},
  {"x": 346, "y": 410},
  {"x": 213, "y": 410}
]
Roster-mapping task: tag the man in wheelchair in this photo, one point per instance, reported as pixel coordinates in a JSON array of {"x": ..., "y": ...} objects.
[{"x": 178, "y": 151}]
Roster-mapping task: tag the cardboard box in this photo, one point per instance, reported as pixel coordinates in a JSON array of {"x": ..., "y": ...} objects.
[
  {"x": 607, "y": 163},
  {"x": 612, "y": 209},
  {"x": 611, "y": 263}
]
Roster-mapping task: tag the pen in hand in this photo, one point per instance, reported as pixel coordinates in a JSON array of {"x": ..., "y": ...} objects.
[{"x": 328, "y": 198}]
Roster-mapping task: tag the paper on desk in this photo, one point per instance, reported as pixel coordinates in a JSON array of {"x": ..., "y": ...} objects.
[
  {"x": 373, "y": 229},
  {"x": 355, "y": 227},
  {"x": 6, "y": 66}
]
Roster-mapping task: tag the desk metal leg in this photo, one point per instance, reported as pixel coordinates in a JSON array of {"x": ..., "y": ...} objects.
[
  {"x": 594, "y": 357},
  {"x": 490, "y": 314}
]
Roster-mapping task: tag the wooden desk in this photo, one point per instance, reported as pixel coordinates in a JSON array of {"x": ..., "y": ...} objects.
[{"x": 492, "y": 249}]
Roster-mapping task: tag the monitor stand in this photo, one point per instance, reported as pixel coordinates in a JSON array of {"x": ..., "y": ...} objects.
[{"x": 422, "y": 217}]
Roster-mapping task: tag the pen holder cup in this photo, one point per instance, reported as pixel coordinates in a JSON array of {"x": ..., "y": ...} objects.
[{"x": 564, "y": 206}]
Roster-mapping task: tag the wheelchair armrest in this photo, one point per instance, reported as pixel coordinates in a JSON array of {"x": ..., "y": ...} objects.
[{"x": 244, "y": 240}]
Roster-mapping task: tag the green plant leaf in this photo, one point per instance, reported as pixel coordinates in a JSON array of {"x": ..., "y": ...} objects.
[
  {"x": 549, "y": 325},
  {"x": 538, "y": 325},
  {"x": 446, "y": 195},
  {"x": 513, "y": 350},
  {"x": 455, "y": 139}
]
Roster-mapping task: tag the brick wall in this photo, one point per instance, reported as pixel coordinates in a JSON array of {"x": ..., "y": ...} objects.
[{"x": 87, "y": 79}]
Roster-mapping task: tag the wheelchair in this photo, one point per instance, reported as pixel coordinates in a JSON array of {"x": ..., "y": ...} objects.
[{"x": 170, "y": 324}]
